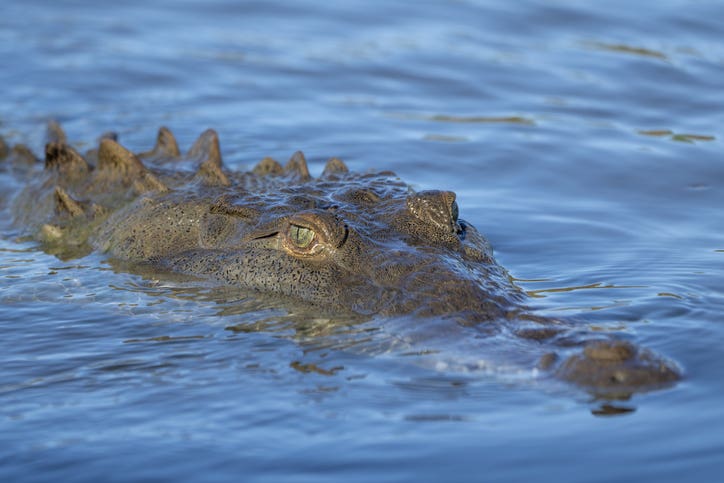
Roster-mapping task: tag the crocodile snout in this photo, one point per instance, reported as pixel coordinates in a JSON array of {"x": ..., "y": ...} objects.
[{"x": 617, "y": 368}]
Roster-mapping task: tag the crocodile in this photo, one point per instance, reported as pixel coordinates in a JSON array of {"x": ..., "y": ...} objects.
[{"x": 362, "y": 243}]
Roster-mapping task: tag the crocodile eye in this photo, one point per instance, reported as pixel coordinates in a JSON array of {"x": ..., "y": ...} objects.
[{"x": 301, "y": 236}]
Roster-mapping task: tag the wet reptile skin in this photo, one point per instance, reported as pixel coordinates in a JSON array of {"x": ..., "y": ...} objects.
[{"x": 361, "y": 243}]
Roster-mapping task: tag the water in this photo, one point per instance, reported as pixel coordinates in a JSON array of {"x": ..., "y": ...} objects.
[{"x": 583, "y": 138}]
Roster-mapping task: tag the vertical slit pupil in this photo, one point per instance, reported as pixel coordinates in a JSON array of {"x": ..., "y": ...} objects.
[{"x": 301, "y": 236}]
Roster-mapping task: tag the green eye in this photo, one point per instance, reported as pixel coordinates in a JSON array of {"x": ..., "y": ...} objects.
[
  {"x": 301, "y": 236},
  {"x": 455, "y": 211}
]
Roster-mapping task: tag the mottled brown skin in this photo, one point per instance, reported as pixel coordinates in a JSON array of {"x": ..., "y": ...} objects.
[{"x": 361, "y": 243}]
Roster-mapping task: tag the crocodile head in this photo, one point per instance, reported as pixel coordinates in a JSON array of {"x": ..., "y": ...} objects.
[{"x": 365, "y": 243}]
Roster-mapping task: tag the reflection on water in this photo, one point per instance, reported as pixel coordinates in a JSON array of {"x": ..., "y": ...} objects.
[
  {"x": 687, "y": 138},
  {"x": 552, "y": 122},
  {"x": 465, "y": 119},
  {"x": 627, "y": 49},
  {"x": 541, "y": 292},
  {"x": 443, "y": 138}
]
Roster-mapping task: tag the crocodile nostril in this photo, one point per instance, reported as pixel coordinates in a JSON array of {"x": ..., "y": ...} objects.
[{"x": 618, "y": 377}]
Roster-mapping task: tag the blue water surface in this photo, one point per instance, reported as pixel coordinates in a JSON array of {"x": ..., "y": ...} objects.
[{"x": 583, "y": 138}]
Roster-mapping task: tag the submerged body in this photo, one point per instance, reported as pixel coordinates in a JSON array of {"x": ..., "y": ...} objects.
[{"x": 361, "y": 243}]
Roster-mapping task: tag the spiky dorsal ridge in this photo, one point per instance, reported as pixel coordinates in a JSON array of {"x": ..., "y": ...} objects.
[
  {"x": 268, "y": 166},
  {"x": 113, "y": 157},
  {"x": 64, "y": 160},
  {"x": 297, "y": 166},
  {"x": 206, "y": 148},
  {"x": 334, "y": 166},
  {"x": 165, "y": 147},
  {"x": 66, "y": 204},
  {"x": 115, "y": 161}
]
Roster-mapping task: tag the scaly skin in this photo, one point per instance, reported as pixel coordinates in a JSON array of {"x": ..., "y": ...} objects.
[{"x": 362, "y": 243}]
